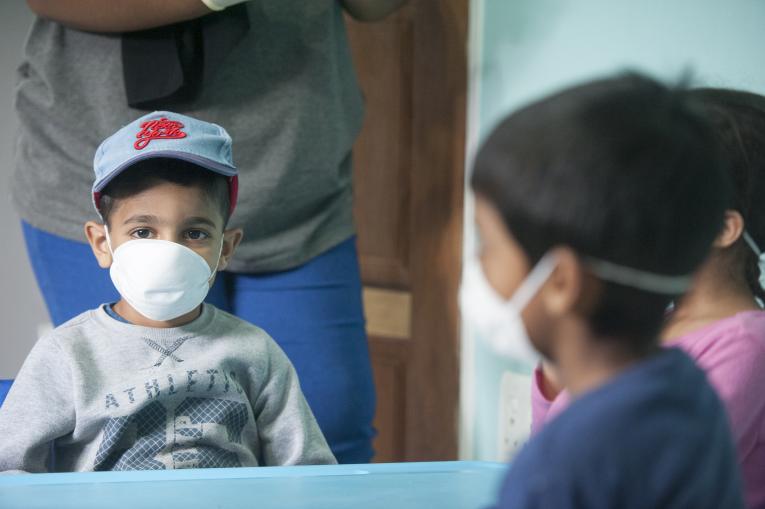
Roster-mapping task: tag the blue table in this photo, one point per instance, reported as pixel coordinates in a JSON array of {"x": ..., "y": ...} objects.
[{"x": 445, "y": 485}]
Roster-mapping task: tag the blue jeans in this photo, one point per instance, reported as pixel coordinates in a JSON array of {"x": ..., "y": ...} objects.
[{"x": 314, "y": 312}]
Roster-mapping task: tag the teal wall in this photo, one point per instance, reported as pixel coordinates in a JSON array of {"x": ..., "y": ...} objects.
[
  {"x": 523, "y": 49},
  {"x": 530, "y": 48}
]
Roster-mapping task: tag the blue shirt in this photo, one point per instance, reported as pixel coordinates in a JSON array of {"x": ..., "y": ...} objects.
[
  {"x": 109, "y": 308},
  {"x": 656, "y": 436}
]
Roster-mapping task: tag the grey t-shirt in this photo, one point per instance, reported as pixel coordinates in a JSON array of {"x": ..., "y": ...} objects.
[
  {"x": 287, "y": 94},
  {"x": 217, "y": 392}
]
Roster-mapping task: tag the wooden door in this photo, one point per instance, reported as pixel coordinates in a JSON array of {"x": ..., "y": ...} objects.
[{"x": 409, "y": 163}]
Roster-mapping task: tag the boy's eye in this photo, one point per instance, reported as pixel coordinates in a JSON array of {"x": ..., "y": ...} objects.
[
  {"x": 196, "y": 235},
  {"x": 141, "y": 233}
]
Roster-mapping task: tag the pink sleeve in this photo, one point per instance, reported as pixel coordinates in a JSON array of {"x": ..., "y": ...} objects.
[{"x": 543, "y": 409}]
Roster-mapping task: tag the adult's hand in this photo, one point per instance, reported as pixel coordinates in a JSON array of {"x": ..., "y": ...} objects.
[
  {"x": 371, "y": 10},
  {"x": 118, "y": 15}
]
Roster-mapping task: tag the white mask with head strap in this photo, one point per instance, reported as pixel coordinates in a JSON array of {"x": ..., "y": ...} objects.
[
  {"x": 160, "y": 279},
  {"x": 498, "y": 322}
]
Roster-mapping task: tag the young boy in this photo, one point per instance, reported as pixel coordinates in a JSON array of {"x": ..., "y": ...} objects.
[
  {"x": 594, "y": 205},
  {"x": 159, "y": 380},
  {"x": 718, "y": 322}
]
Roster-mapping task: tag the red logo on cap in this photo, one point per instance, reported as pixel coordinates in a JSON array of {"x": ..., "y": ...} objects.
[{"x": 155, "y": 129}]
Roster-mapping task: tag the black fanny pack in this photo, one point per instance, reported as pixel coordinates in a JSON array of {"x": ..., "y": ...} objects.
[{"x": 166, "y": 66}]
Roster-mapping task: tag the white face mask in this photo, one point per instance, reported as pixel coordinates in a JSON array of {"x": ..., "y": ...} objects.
[
  {"x": 161, "y": 280},
  {"x": 497, "y": 321}
]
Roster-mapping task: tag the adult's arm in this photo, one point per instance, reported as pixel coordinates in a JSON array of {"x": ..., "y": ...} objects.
[
  {"x": 118, "y": 15},
  {"x": 371, "y": 10}
]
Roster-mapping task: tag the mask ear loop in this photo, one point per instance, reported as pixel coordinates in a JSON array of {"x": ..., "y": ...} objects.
[
  {"x": 534, "y": 281},
  {"x": 760, "y": 262},
  {"x": 214, "y": 271},
  {"x": 108, "y": 239}
]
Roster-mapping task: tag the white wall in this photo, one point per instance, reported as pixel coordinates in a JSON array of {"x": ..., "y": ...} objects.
[
  {"x": 522, "y": 49},
  {"x": 21, "y": 306}
]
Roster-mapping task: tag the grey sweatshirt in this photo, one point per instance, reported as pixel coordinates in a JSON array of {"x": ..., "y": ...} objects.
[{"x": 217, "y": 392}]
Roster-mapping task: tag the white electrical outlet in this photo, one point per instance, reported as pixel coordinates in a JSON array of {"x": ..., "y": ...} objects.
[{"x": 514, "y": 426}]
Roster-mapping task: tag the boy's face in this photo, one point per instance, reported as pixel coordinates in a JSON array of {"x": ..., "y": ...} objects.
[
  {"x": 504, "y": 263},
  {"x": 167, "y": 211},
  {"x": 551, "y": 313},
  {"x": 502, "y": 259}
]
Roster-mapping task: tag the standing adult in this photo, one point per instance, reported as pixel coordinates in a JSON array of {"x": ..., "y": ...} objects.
[{"x": 277, "y": 74}]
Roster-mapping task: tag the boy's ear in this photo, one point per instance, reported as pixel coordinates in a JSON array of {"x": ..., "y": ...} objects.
[
  {"x": 231, "y": 239},
  {"x": 733, "y": 228},
  {"x": 96, "y": 235},
  {"x": 569, "y": 285}
]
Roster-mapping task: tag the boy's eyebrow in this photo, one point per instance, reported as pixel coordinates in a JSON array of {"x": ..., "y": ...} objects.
[
  {"x": 151, "y": 219},
  {"x": 200, "y": 220},
  {"x": 141, "y": 218}
]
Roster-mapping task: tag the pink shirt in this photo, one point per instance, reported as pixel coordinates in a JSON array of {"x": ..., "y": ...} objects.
[{"x": 732, "y": 353}]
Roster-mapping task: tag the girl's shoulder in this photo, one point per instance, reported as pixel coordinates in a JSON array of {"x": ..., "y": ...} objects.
[
  {"x": 749, "y": 326},
  {"x": 754, "y": 320},
  {"x": 743, "y": 332}
]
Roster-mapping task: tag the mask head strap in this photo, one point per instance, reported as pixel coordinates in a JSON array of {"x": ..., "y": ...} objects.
[
  {"x": 531, "y": 285},
  {"x": 642, "y": 280}
]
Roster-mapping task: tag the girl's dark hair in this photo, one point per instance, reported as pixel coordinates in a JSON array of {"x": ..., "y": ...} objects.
[
  {"x": 148, "y": 173},
  {"x": 738, "y": 119},
  {"x": 622, "y": 169}
]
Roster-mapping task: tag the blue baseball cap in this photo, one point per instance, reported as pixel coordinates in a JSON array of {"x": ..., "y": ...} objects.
[{"x": 169, "y": 135}]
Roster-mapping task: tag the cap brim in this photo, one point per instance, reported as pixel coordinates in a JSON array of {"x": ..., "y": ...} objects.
[{"x": 222, "y": 169}]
